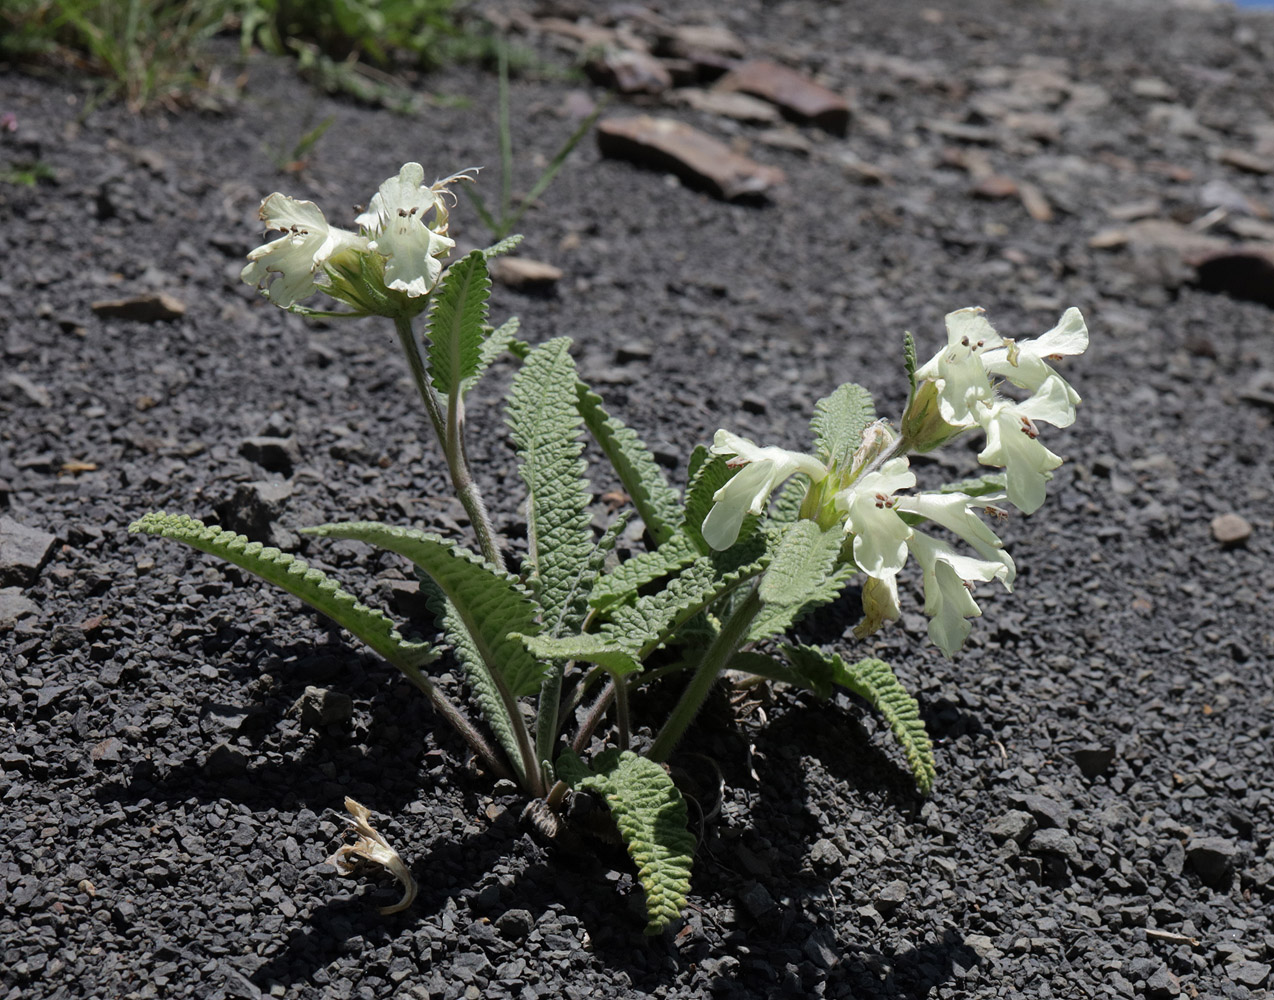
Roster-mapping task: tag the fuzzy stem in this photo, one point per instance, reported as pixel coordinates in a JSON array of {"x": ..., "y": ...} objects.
[
  {"x": 621, "y": 711},
  {"x": 714, "y": 660},
  {"x": 443, "y": 706},
  {"x": 449, "y": 429},
  {"x": 594, "y": 718}
]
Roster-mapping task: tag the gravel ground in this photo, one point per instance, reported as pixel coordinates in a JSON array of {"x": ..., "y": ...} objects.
[{"x": 1101, "y": 824}]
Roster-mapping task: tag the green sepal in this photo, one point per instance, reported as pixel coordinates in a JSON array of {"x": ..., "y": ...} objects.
[
  {"x": 298, "y": 578},
  {"x": 652, "y": 820},
  {"x": 875, "y": 682}
]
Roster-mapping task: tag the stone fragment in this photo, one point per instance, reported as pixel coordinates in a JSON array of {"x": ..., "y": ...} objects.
[
  {"x": 891, "y": 896},
  {"x": 1162, "y": 985},
  {"x": 23, "y": 552},
  {"x": 255, "y": 507},
  {"x": 1034, "y": 201},
  {"x": 729, "y": 104},
  {"x": 514, "y": 925},
  {"x": 629, "y": 72},
  {"x": 1244, "y": 271},
  {"x": 142, "y": 308},
  {"x": 1231, "y": 529},
  {"x": 1014, "y": 825},
  {"x": 1056, "y": 842},
  {"x": 689, "y": 40},
  {"x": 756, "y": 899},
  {"x": 14, "y": 606},
  {"x": 318, "y": 707},
  {"x": 1212, "y": 859},
  {"x": 1253, "y": 975},
  {"x": 1248, "y": 162},
  {"x": 34, "y": 392},
  {"x": 1047, "y": 812},
  {"x": 826, "y": 856},
  {"x": 524, "y": 275},
  {"x": 995, "y": 187},
  {"x": 1153, "y": 88},
  {"x": 274, "y": 454},
  {"x": 796, "y": 95},
  {"x": 695, "y": 157},
  {"x": 582, "y": 33},
  {"x": 1093, "y": 759},
  {"x": 225, "y": 761}
]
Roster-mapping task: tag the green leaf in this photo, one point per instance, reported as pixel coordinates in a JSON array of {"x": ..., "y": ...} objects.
[
  {"x": 803, "y": 574},
  {"x": 607, "y": 652},
  {"x": 503, "y": 338},
  {"x": 623, "y": 582},
  {"x": 312, "y": 586},
  {"x": 653, "y": 619},
  {"x": 456, "y": 323},
  {"x": 501, "y": 247},
  {"x": 491, "y": 700},
  {"x": 874, "y": 681},
  {"x": 656, "y": 503},
  {"x": 490, "y": 605},
  {"x": 545, "y": 425},
  {"x": 709, "y": 473},
  {"x": 652, "y": 819},
  {"x": 839, "y": 422}
]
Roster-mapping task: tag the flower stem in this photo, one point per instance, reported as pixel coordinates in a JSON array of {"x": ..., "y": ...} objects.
[
  {"x": 714, "y": 660},
  {"x": 443, "y": 706},
  {"x": 449, "y": 429}
]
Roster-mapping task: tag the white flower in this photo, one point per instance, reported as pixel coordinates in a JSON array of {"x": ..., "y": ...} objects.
[
  {"x": 309, "y": 242},
  {"x": 958, "y": 367},
  {"x": 396, "y": 223},
  {"x": 952, "y": 511},
  {"x": 948, "y": 597},
  {"x": 747, "y": 493},
  {"x": 1024, "y": 365},
  {"x": 880, "y": 535},
  {"x": 880, "y": 604},
  {"x": 1012, "y": 442}
]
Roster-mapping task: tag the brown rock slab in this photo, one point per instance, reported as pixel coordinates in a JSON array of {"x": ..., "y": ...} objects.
[
  {"x": 697, "y": 158},
  {"x": 689, "y": 39},
  {"x": 629, "y": 72},
  {"x": 1250, "y": 163},
  {"x": 995, "y": 187},
  {"x": 1231, "y": 529},
  {"x": 142, "y": 308},
  {"x": 525, "y": 275},
  {"x": 796, "y": 95}
]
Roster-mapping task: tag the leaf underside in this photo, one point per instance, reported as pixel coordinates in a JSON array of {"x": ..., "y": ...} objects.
[
  {"x": 874, "y": 681},
  {"x": 652, "y": 819},
  {"x": 298, "y": 578}
]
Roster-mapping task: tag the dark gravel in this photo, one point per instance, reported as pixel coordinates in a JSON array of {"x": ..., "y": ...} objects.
[{"x": 176, "y": 746}]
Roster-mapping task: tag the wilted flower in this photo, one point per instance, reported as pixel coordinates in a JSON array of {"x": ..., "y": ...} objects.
[{"x": 747, "y": 493}]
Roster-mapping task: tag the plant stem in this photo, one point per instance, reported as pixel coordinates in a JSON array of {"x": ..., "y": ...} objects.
[
  {"x": 714, "y": 660},
  {"x": 443, "y": 706},
  {"x": 594, "y": 717},
  {"x": 621, "y": 711},
  {"x": 449, "y": 429}
]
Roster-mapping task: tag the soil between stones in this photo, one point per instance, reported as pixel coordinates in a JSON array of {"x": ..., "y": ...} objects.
[{"x": 1101, "y": 824}]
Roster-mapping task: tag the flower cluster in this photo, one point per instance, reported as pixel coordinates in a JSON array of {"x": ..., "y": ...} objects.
[
  {"x": 954, "y": 392},
  {"x": 403, "y": 231}
]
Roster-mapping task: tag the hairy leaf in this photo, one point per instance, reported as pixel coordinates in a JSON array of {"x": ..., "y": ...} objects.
[
  {"x": 874, "y": 681},
  {"x": 839, "y": 422},
  {"x": 486, "y": 691},
  {"x": 652, "y": 819},
  {"x": 909, "y": 362},
  {"x": 803, "y": 574},
  {"x": 545, "y": 425},
  {"x": 656, "y": 503},
  {"x": 489, "y": 604},
  {"x": 609, "y": 653},
  {"x": 623, "y": 581},
  {"x": 502, "y": 247},
  {"x": 312, "y": 586},
  {"x": 456, "y": 323},
  {"x": 503, "y": 338}
]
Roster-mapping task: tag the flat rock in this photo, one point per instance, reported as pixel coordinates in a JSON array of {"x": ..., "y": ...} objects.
[
  {"x": 1251, "y": 163},
  {"x": 142, "y": 308},
  {"x": 1093, "y": 759},
  {"x": 695, "y": 157},
  {"x": 629, "y": 72},
  {"x": 687, "y": 40},
  {"x": 254, "y": 508},
  {"x": 729, "y": 104},
  {"x": 274, "y": 454},
  {"x": 795, "y": 94},
  {"x": 1231, "y": 529},
  {"x": 23, "y": 552},
  {"x": 14, "y": 606},
  {"x": 1253, "y": 975},
  {"x": 318, "y": 707},
  {"x": 524, "y": 274},
  {"x": 1014, "y": 825}
]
